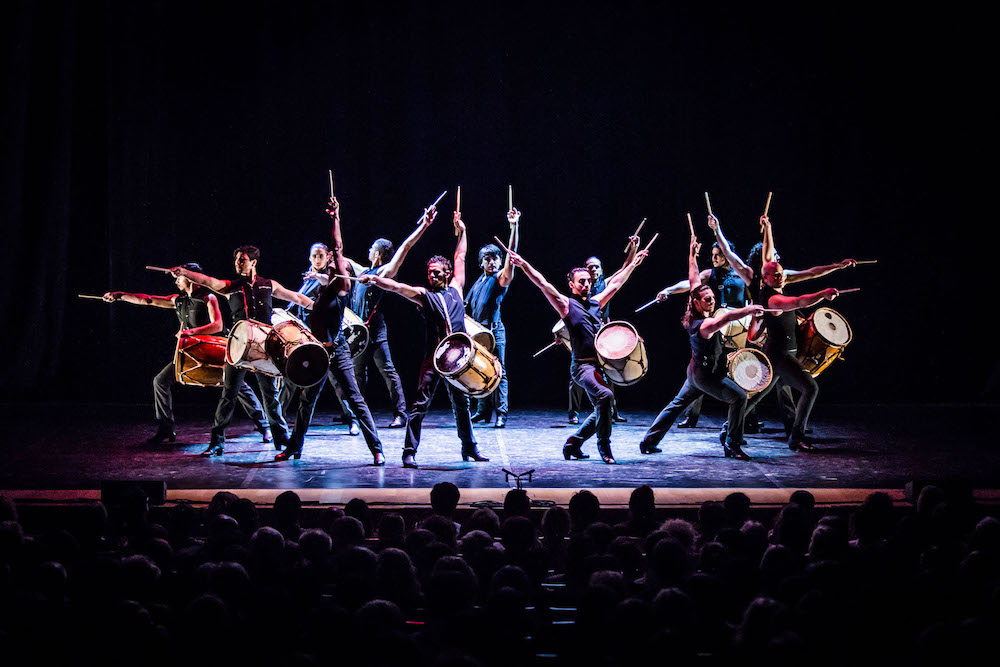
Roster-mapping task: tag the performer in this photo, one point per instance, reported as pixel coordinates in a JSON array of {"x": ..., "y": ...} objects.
[
  {"x": 249, "y": 297},
  {"x": 442, "y": 307},
  {"x": 483, "y": 303},
  {"x": 365, "y": 302},
  {"x": 582, "y": 315},
  {"x": 706, "y": 372},
  {"x": 325, "y": 323},
  {"x": 199, "y": 314}
]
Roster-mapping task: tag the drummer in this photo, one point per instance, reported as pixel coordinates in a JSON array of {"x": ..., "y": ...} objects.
[
  {"x": 325, "y": 323},
  {"x": 706, "y": 372},
  {"x": 199, "y": 315},
  {"x": 249, "y": 296},
  {"x": 483, "y": 303},
  {"x": 442, "y": 307},
  {"x": 581, "y": 313}
]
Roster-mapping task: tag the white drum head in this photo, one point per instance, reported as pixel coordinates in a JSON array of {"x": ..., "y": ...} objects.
[
  {"x": 452, "y": 354},
  {"x": 832, "y": 326},
  {"x": 749, "y": 371},
  {"x": 616, "y": 341},
  {"x": 239, "y": 338}
]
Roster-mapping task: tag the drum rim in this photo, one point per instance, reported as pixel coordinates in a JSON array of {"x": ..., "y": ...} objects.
[
  {"x": 446, "y": 374},
  {"x": 850, "y": 331},
  {"x": 638, "y": 339},
  {"x": 754, "y": 352}
]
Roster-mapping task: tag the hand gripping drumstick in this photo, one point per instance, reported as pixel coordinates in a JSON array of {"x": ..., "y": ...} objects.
[
  {"x": 440, "y": 197},
  {"x": 637, "y": 230},
  {"x": 458, "y": 205},
  {"x": 158, "y": 268}
]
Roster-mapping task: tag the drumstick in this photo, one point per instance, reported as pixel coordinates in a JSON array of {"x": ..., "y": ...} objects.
[
  {"x": 767, "y": 206},
  {"x": 505, "y": 248},
  {"x": 708, "y": 203},
  {"x": 90, "y": 296},
  {"x": 655, "y": 236},
  {"x": 645, "y": 306},
  {"x": 158, "y": 268},
  {"x": 637, "y": 229},
  {"x": 845, "y": 291},
  {"x": 331, "y": 182},
  {"x": 867, "y": 261},
  {"x": 337, "y": 275},
  {"x": 690, "y": 224},
  {"x": 510, "y": 197},
  {"x": 552, "y": 344},
  {"x": 441, "y": 196}
]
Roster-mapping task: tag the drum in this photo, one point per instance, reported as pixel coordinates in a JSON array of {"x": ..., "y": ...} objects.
[
  {"x": 750, "y": 369},
  {"x": 734, "y": 334},
  {"x": 562, "y": 335},
  {"x": 622, "y": 352},
  {"x": 246, "y": 347},
  {"x": 355, "y": 331},
  {"x": 297, "y": 353},
  {"x": 282, "y": 315},
  {"x": 467, "y": 365},
  {"x": 199, "y": 360},
  {"x": 822, "y": 338},
  {"x": 480, "y": 334}
]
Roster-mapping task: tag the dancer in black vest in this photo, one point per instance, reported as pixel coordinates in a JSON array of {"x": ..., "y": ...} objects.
[
  {"x": 706, "y": 372},
  {"x": 483, "y": 303},
  {"x": 365, "y": 301},
  {"x": 442, "y": 307},
  {"x": 325, "y": 323},
  {"x": 199, "y": 314},
  {"x": 249, "y": 298},
  {"x": 581, "y": 313}
]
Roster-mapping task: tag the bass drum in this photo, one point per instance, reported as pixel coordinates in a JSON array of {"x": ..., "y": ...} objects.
[
  {"x": 734, "y": 333},
  {"x": 822, "y": 338},
  {"x": 480, "y": 334},
  {"x": 297, "y": 353},
  {"x": 622, "y": 352},
  {"x": 467, "y": 365},
  {"x": 750, "y": 369},
  {"x": 355, "y": 331},
  {"x": 199, "y": 360},
  {"x": 246, "y": 347}
]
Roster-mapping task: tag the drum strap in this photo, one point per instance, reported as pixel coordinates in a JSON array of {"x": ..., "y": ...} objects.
[{"x": 444, "y": 309}]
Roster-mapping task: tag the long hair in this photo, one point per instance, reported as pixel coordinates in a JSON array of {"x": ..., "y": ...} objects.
[{"x": 692, "y": 313}]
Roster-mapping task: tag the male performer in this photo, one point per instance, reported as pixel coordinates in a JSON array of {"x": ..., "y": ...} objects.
[
  {"x": 365, "y": 302},
  {"x": 483, "y": 302},
  {"x": 325, "y": 321},
  {"x": 581, "y": 313},
  {"x": 442, "y": 307},
  {"x": 706, "y": 374},
  {"x": 249, "y": 298},
  {"x": 199, "y": 314}
]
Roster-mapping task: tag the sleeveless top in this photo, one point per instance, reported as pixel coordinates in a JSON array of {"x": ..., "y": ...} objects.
[
  {"x": 250, "y": 299},
  {"x": 729, "y": 286},
  {"x": 781, "y": 329},
  {"x": 192, "y": 311},
  {"x": 365, "y": 300},
  {"x": 705, "y": 352},
  {"x": 484, "y": 299},
  {"x": 327, "y": 314},
  {"x": 443, "y": 313},
  {"x": 582, "y": 323}
]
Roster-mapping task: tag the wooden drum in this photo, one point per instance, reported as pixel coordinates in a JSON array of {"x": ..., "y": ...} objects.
[{"x": 622, "y": 352}]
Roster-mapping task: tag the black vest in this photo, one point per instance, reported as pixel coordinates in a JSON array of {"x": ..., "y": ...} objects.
[
  {"x": 705, "y": 352},
  {"x": 583, "y": 321},
  {"x": 250, "y": 300},
  {"x": 192, "y": 311},
  {"x": 443, "y": 314}
]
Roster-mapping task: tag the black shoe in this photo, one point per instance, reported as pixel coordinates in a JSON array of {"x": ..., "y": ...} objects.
[
  {"x": 608, "y": 458},
  {"x": 398, "y": 421},
  {"x": 574, "y": 420},
  {"x": 289, "y": 453},
  {"x": 735, "y": 451},
  {"x": 802, "y": 443},
  {"x": 620, "y": 419},
  {"x": 480, "y": 417},
  {"x": 409, "y": 461},
  {"x": 473, "y": 454},
  {"x": 501, "y": 421},
  {"x": 265, "y": 433},
  {"x": 164, "y": 433},
  {"x": 572, "y": 450},
  {"x": 752, "y": 426},
  {"x": 379, "y": 459},
  {"x": 688, "y": 422},
  {"x": 648, "y": 449},
  {"x": 354, "y": 429},
  {"x": 723, "y": 433},
  {"x": 213, "y": 449}
]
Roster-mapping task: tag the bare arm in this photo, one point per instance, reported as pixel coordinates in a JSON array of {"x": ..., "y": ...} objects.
[
  {"x": 619, "y": 279},
  {"x": 507, "y": 272},
  {"x": 461, "y": 250},
  {"x": 558, "y": 301},
  {"x": 765, "y": 228},
  {"x": 694, "y": 276},
  {"x": 710, "y": 325},
  {"x": 786, "y": 303},
  {"x": 215, "y": 284},
  {"x": 792, "y": 276},
  {"x": 141, "y": 299},
  {"x": 681, "y": 286},
  {"x": 214, "y": 325},
  {"x": 391, "y": 268},
  {"x": 288, "y": 295},
  {"x": 415, "y": 294},
  {"x": 342, "y": 285},
  {"x": 737, "y": 264},
  {"x": 633, "y": 245}
]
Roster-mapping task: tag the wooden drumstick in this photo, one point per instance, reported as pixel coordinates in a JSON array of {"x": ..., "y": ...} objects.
[
  {"x": 647, "y": 305},
  {"x": 502, "y": 246},
  {"x": 458, "y": 205},
  {"x": 331, "y": 182},
  {"x": 767, "y": 206},
  {"x": 867, "y": 261},
  {"x": 510, "y": 197},
  {"x": 158, "y": 268},
  {"x": 337, "y": 275},
  {"x": 440, "y": 197},
  {"x": 851, "y": 289},
  {"x": 550, "y": 345},
  {"x": 690, "y": 224},
  {"x": 90, "y": 296},
  {"x": 708, "y": 203},
  {"x": 637, "y": 230},
  {"x": 655, "y": 236}
]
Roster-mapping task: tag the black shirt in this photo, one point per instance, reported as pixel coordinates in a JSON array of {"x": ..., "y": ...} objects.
[
  {"x": 484, "y": 299},
  {"x": 583, "y": 322},
  {"x": 310, "y": 288},
  {"x": 250, "y": 300},
  {"x": 365, "y": 300},
  {"x": 192, "y": 311},
  {"x": 781, "y": 329},
  {"x": 327, "y": 314},
  {"x": 729, "y": 286},
  {"x": 599, "y": 286},
  {"x": 705, "y": 352},
  {"x": 444, "y": 314}
]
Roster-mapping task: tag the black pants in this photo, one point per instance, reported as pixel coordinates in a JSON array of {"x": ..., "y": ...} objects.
[
  {"x": 427, "y": 384},
  {"x": 693, "y": 412},
  {"x": 497, "y": 401},
  {"x": 163, "y": 400},
  {"x": 588, "y": 375},
  {"x": 378, "y": 349},
  {"x": 577, "y": 394},
  {"x": 698, "y": 383},
  {"x": 232, "y": 379},
  {"x": 342, "y": 369},
  {"x": 289, "y": 392},
  {"x": 788, "y": 369}
]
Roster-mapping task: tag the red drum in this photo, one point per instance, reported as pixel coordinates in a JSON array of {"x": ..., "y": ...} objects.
[
  {"x": 822, "y": 339},
  {"x": 199, "y": 360}
]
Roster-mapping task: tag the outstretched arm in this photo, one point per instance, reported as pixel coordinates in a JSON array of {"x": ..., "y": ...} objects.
[
  {"x": 340, "y": 263},
  {"x": 391, "y": 268},
  {"x": 558, "y": 301},
  {"x": 792, "y": 276},
  {"x": 712, "y": 324},
  {"x": 738, "y": 265},
  {"x": 507, "y": 272},
  {"x": 414, "y": 294},
  {"x": 633, "y": 246},
  {"x": 461, "y": 249},
  {"x": 214, "y": 284},
  {"x": 141, "y": 299},
  {"x": 680, "y": 287},
  {"x": 786, "y": 303},
  {"x": 288, "y": 295},
  {"x": 619, "y": 279}
]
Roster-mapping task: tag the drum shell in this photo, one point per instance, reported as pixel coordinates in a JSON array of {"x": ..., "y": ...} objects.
[
  {"x": 815, "y": 352},
  {"x": 200, "y": 361},
  {"x": 561, "y": 334},
  {"x": 252, "y": 336},
  {"x": 760, "y": 356},
  {"x": 734, "y": 333},
  {"x": 479, "y": 374},
  {"x": 480, "y": 334},
  {"x": 622, "y": 367},
  {"x": 355, "y": 332},
  {"x": 297, "y": 353}
]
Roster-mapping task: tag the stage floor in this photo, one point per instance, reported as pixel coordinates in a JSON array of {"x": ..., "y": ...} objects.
[{"x": 62, "y": 451}]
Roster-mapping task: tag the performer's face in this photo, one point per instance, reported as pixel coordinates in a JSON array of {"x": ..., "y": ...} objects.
[
  {"x": 705, "y": 301},
  {"x": 244, "y": 265},
  {"x": 581, "y": 283},
  {"x": 182, "y": 283},
  {"x": 773, "y": 275},
  {"x": 491, "y": 264},
  {"x": 595, "y": 268},
  {"x": 718, "y": 259},
  {"x": 438, "y": 275},
  {"x": 319, "y": 258},
  {"x": 374, "y": 254}
]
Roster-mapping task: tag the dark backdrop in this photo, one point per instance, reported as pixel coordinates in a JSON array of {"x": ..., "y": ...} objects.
[{"x": 162, "y": 132}]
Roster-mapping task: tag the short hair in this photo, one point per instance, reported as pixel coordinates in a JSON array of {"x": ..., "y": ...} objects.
[
  {"x": 489, "y": 250},
  {"x": 316, "y": 245},
  {"x": 596, "y": 259},
  {"x": 440, "y": 260},
  {"x": 444, "y": 497},
  {"x": 251, "y": 251},
  {"x": 384, "y": 248},
  {"x": 192, "y": 266},
  {"x": 574, "y": 271}
]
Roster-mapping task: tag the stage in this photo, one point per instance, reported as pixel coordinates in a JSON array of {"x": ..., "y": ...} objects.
[{"x": 61, "y": 453}]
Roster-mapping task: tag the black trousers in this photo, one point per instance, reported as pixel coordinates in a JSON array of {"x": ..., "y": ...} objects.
[
  {"x": 698, "y": 383},
  {"x": 342, "y": 369},
  {"x": 427, "y": 384},
  {"x": 289, "y": 392},
  {"x": 163, "y": 400},
  {"x": 378, "y": 350},
  {"x": 788, "y": 369},
  {"x": 232, "y": 379},
  {"x": 588, "y": 375}
]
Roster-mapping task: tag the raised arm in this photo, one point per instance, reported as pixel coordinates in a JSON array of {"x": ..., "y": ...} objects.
[
  {"x": 214, "y": 284},
  {"x": 415, "y": 294},
  {"x": 792, "y": 276},
  {"x": 507, "y": 272},
  {"x": 694, "y": 275},
  {"x": 739, "y": 266},
  {"x": 558, "y": 301},
  {"x": 619, "y": 279},
  {"x": 768, "y": 232},
  {"x": 633, "y": 246},
  {"x": 391, "y": 268},
  {"x": 141, "y": 299},
  {"x": 340, "y": 264},
  {"x": 786, "y": 303},
  {"x": 461, "y": 250},
  {"x": 712, "y": 324}
]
